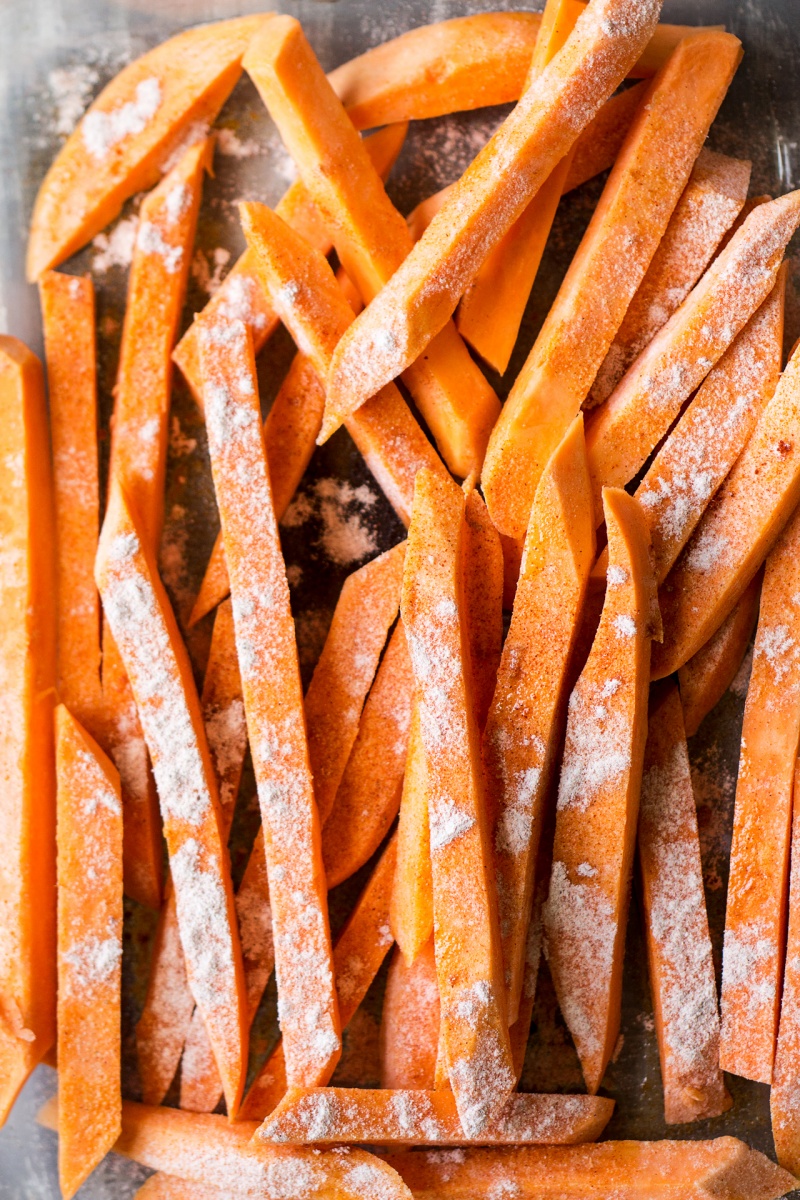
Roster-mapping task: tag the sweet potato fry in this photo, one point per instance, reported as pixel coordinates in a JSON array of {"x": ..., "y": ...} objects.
[
  {"x": 737, "y": 531},
  {"x": 725, "y": 1169},
  {"x": 755, "y": 917},
  {"x": 223, "y": 713},
  {"x": 412, "y": 896},
  {"x": 27, "y": 755},
  {"x": 682, "y": 981},
  {"x": 525, "y": 718},
  {"x": 492, "y": 193},
  {"x": 410, "y": 1022},
  {"x": 409, "y": 1118},
  {"x": 68, "y": 317},
  {"x": 240, "y": 295},
  {"x": 366, "y": 610},
  {"x": 520, "y": 1031},
  {"x": 273, "y": 703},
  {"x": 368, "y": 797},
  {"x": 157, "y": 665},
  {"x": 708, "y": 674},
  {"x": 601, "y": 141},
  {"x": 468, "y": 951},
  {"x": 369, "y": 234},
  {"x": 637, "y": 202},
  {"x": 598, "y": 798},
  {"x": 89, "y": 952},
  {"x": 313, "y": 308},
  {"x": 481, "y": 562},
  {"x": 784, "y": 1100},
  {"x": 626, "y": 429},
  {"x": 711, "y": 202},
  {"x": 129, "y": 134}
]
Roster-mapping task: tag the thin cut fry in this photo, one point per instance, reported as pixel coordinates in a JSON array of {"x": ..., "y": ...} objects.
[
  {"x": 598, "y": 799},
  {"x": 784, "y": 1099},
  {"x": 412, "y": 896},
  {"x": 482, "y": 591},
  {"x": 409, "y": 1118},
  {"x": 755, "y": 917},
  {"x": 638, "y": 200},
  {"x": 527, "y": 711},
  {"x": 682, "y": 981},
  {"x": 223, "y": 713},
  {"x": 158, "y": 667},
  {"x": 27, "y": 698},
  {"x": 410, "y": 1022},
  {"x": 89, "y": 952},
  {"x": 399, "y": 323},
  {"x": 468, "y": 951}
]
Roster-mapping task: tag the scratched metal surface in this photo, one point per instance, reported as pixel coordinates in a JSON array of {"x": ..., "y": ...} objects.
[{"x": 760, "y": 120}]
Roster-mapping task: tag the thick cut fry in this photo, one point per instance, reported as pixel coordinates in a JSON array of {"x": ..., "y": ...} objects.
[
  {"x": 627, "y": 428},
  {"x": 368, "y": 797},
  {"x": 241, "y": 296},
  {"x": 410, "y": 1022},
  {"x": 167, "y": 1012},
  {"x": 130, "y": 133},
  {"x": 708, "y": 674},
  {"x": 273, "y": 703},
  {"x": 369, "y": 234},
  {"x": 527, "y": 713},
  {"x": 755, "y": 917},
  {"x": 68, "y": 316},
  {"x": 737, "y": 531},
  {"x": 366, "y": 610},
  {"x": 723, "y": 1169},
  {"x": 492, "y": 193},
  {"x": 598, "y": 798},
  {"x": 160, "y": 674},
  {"x": 482, "y": 589},
  {"x": 711, "y": 202},
  {"x": 637, "y": 202},
  {"x": 682, "y": 981},
  {"x": 520, "y": 1031},
  {"x": 412, "y": 895},
  {"x": 408, "y": 1118},
  {"x": 89, "y": 952},
  {"x": 784, "y": 1098},
  {"x": 598, "y": 146},
  {"x": 27, "y": 698},
  {"x": 468, "y": 951},
  {"x": 360, "y": 950}
]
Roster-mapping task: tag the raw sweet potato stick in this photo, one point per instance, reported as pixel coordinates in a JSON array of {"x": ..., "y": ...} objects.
[
  {"x": 167, "y": 1012},
  {"x": 601, "y": 141},
  {"x": 481, "y": 563},
  {"x": 528, "y": 706},
  {"x": 27, "y": 700},
  {"x": 369, "y": 234},
  {"x": 89, "y": 952},
  {"x": 410, "y": 1021},
  {"x": 755, "y": 916},
  {"x": 638, "y": 200},
  {"x": 411, "y": 913},
  {"x": 417, "y": 303},
  {"x": 682, "y": 981},
  {"x": 598, "y": 798},
  {"x": 273, "y": 703},
  {"x": 784, "y": 1099},
  {"x": 157, "y": 665}
]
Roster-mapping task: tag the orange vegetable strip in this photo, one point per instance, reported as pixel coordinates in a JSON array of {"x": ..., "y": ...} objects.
[
  {"x": 368, "y": 797},
  {"x": 724, "y": 1168},
  {"x": 130, "y": 133},
  {"x": 601, "y": 141},
  {"x": 598, "y": 799},
  {"x": 27, "y": 697},
  {"x": 482, "y": 590},
  {"x": 737, "y": 531},
  {"x": 411, "y": 914},
  {"x": 468, "y": 952},
  {"x": 711, "y": 202},
  {"x": 410, "y": 1021},
  {"x": 529, "y": 702},
  {"x": 223, "y": 713},
  {"x": 370, "y": 236},
  {"x": 273, "y": 703},
  {"x": 520, "y": 1031},
  {"x": 407, "y": 1118},
  {"x": 158, "y": 667},
  {"x": 210, "y": 1150},
  {"x": 682, "y": 980},
  {"x": 784, "y": 1100},
  {"x": 367, "y": 608},
  {"x": 708, "y": 674},
  {"x": 755, "y": 917},
  {"x": 359, "y": 952},
  {"x": 240, "y": 295},
  {"x": 313, "y": 308},
  {"x": 68, "y": 317},
  {"x": 648, "y": 398},
  {"x": 168, "y": 1187},
  {"x": 492, "y": 193},
  {"x": 89, "y": 952},
  {"x": 638, "y": 200}
]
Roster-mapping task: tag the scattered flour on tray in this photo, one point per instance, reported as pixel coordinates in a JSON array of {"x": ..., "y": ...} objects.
[
  {"x": 344, "y": 537},
  {"x": 72, "y": 89}
]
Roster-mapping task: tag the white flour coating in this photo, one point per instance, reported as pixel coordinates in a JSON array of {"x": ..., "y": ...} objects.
[
  {"x": 748, "y": 957},
  {"x": 205, "y": 929},
  {"x": 102, "y": 131},
  {"x": 227, "y": 739},
  {"x": 115, "y": 249},
  {"x": 150, "y": 240},
  {"x": 93, "y": 961},
  {"x": 72, "y": 89},
  {"x": 598, "y": 745},
  {"x": 232, "y": 146}
]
